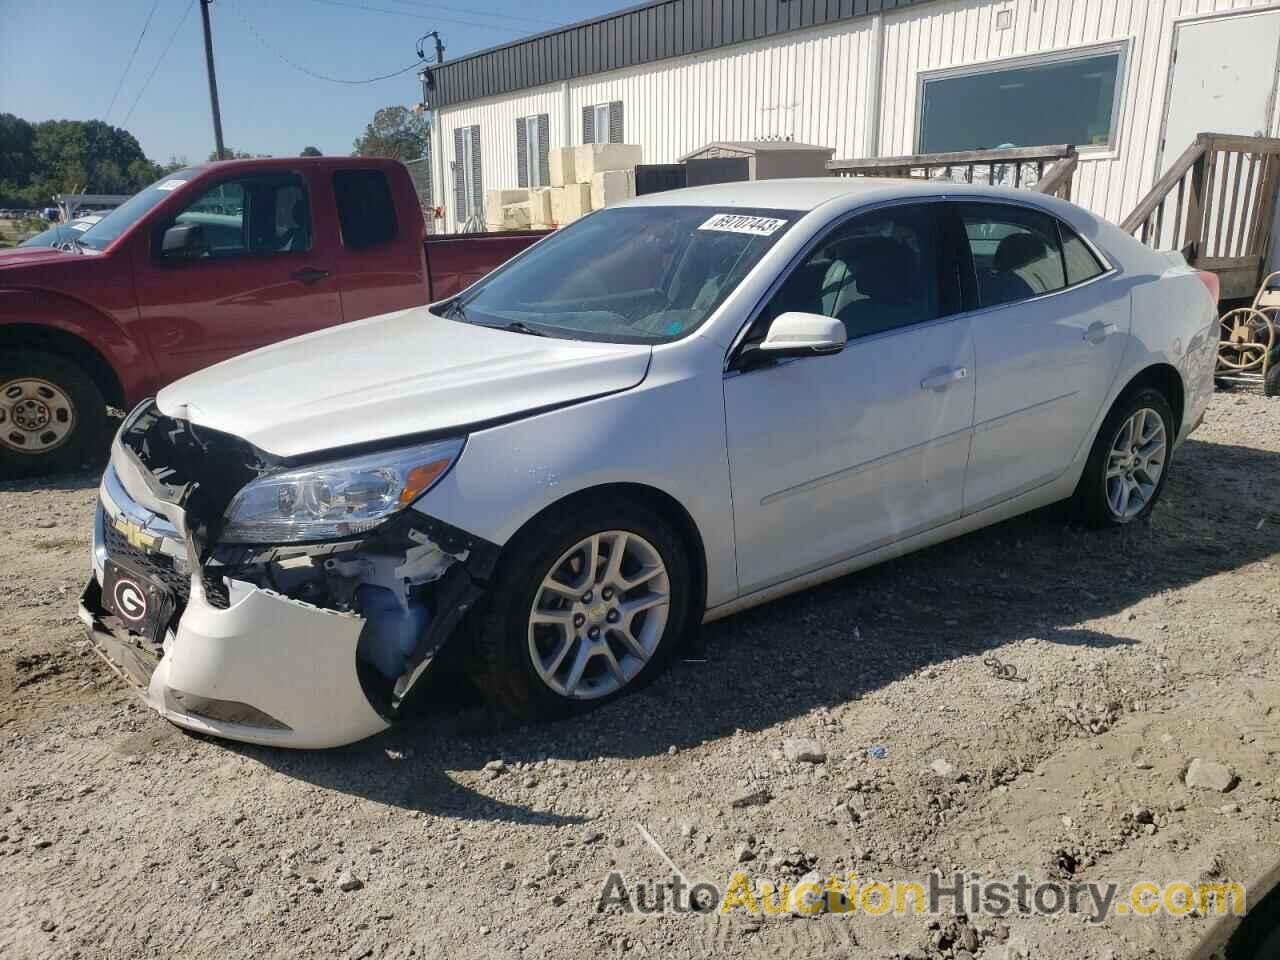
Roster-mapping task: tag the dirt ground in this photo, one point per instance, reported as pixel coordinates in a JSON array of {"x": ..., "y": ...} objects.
[{"x": 1136, "y": 652}]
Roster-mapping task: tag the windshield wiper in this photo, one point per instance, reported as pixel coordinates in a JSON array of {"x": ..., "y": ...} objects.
[
  {"x": 455, "y": 309},
  {"x": 519, "y": 326}
]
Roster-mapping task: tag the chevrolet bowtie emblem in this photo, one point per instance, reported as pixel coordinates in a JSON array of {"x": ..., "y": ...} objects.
[{"x": 138, "y": 537}]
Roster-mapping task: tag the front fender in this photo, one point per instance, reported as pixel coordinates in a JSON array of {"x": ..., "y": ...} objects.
[
  {"x": 27, "y": 313},
  {"x": 666, "y": 434}
]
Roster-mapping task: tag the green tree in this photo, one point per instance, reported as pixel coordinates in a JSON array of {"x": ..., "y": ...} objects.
[
  {"x": 56, "y": 156},
  {"x": 311, "y": 152},
  {"x": 396, "y": 132},
  {"x": 17, "y": 150},
  {"x": 233, "y": 154}
]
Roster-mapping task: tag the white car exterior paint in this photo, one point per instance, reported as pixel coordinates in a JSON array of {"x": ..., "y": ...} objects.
[
  {"x": 791, "y": 474},
  {"x": 402, "y": 373}
]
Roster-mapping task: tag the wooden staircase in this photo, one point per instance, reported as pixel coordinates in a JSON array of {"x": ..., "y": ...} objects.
[{"x": 1216, "y": 204}]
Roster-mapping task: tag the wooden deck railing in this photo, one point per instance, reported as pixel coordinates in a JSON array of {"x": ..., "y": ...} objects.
[
  {"x": 1215, "y": 204},
  {"x": 1049, "y": 169}
]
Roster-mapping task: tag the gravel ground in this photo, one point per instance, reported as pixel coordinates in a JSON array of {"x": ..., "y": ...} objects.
[{"x": 1136, "y": 651}]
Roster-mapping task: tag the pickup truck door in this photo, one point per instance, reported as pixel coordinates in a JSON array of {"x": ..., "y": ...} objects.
[
  {"x": 264, "y": 269},
  {"x": 835, "y": 456},
  {"x": 381, "y": 234}
]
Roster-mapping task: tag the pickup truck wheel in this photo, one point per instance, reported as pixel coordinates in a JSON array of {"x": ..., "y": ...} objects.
[
  {"x": 52, "y": 414},
  {"x": 586, "y": 606}
]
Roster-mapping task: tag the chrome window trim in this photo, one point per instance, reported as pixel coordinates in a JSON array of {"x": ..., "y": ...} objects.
[{"x": 1109, "y": 267}]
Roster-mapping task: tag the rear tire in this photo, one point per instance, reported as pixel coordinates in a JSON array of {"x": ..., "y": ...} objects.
[
  {"x": 597, "y": 618},
  {"x": 1271, "y": 385},
  {"x": 1129, "y": 462},
  {"x": 52, "y": 414}
]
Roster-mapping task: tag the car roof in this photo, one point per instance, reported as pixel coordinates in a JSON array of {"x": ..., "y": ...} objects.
[{"x": 809, "y": 193}]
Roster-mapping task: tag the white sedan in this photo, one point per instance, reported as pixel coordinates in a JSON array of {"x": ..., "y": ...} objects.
[{"x": 670, "y": 411}]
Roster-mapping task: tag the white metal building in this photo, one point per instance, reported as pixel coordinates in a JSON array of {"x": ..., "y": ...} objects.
[{"x": 1131, "y": 82}]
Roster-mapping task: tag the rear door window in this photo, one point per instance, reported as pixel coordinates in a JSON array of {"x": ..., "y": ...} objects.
[
  {"x": 1016, "y": 252},
  {"x": 366, "y": 212}
]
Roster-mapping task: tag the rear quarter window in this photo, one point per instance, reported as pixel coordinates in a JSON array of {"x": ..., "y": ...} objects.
[
  {"x": 1081, "y": 264},
  {"x": 366, "y": 213}
]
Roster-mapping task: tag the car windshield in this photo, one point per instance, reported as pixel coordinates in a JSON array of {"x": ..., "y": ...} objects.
[
  {"x": 59, "y": 234},
  {"x": 645, "y": 274},
  {"x": 103, "y": 233},
  {"x": 48, "y": 238}
]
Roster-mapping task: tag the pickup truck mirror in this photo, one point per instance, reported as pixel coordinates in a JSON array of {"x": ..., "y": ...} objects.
[
  {"x": 802, "y": 335},
  {"x": 184, "y": 241}
]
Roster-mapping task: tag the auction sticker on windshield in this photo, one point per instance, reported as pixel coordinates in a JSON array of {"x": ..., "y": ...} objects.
[
  {"x": 737, "y": 223},
  {"x": 170, "y": 185}
]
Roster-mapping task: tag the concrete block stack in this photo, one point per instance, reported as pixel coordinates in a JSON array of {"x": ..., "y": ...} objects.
[
  {"x": 583, "y": 179},
  {"x": 591, "y": 177}
]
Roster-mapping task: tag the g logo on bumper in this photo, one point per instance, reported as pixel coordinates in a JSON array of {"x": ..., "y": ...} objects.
[{"x": 130, "y": 600}]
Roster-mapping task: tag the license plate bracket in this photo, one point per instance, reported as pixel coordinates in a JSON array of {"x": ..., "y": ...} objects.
[{"x": 142, "y": 605}]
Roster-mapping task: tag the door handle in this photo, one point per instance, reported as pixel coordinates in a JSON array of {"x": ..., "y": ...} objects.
[
  {"x": 1099, "y": 331},
  {"x": 309, "y": 275},
  {"x": 940, "y": 381}
]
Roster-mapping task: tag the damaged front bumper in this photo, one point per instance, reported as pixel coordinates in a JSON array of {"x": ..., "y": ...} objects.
[
  {"x": 258, "y": 648},
  {"x": 267, "y": 669}
]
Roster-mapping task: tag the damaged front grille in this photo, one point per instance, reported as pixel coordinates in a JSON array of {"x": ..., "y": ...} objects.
[
  {"x": 194, "y": 467},
  {"x": 411, "y": 579},
  {"x": 157, "y": 566}
]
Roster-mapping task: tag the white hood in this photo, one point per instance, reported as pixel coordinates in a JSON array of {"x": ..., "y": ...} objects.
[{"x": 398, "y": 374}]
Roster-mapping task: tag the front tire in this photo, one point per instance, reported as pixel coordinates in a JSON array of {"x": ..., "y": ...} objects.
[
  {"x": 586, "y": 605},
  {"x": 52, "y": 414},
  {"x": 1129, "y": 462}
]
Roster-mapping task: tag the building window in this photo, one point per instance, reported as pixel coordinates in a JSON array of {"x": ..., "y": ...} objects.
[
  {"x": 602, "y": 123},
  {"x": 468, "y": 184},
  {"x": 1060, "y": 98},
  {"x": 532, "y": 141}
]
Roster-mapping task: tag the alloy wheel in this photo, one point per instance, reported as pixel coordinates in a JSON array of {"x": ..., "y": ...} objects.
[
  {"x": 1135, "y": 463},
  {"x": 599, "y": 614}
]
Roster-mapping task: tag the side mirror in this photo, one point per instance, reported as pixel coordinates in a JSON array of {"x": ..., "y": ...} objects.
[
  {"x": 184, "y": 241},
  {"x": 803, "y": 335}
]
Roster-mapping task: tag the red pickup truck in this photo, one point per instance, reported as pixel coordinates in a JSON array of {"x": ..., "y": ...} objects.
[{"x": 207, "y": 263}]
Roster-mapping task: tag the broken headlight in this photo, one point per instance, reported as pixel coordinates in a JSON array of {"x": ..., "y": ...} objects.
[{"x": 336, "y": 499}]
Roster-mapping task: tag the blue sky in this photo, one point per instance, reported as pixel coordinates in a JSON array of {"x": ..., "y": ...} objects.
[{"x": 63, "y": 59}]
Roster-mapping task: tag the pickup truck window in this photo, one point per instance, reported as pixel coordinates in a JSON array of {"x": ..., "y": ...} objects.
[
  {"x": 366, "y": 211},
  {"x": 256, "y": 216},
  {"x": 103, "y": 233}
]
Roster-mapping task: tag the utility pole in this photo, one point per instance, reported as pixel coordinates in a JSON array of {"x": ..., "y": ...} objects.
[{"x": 213, "y": 81}]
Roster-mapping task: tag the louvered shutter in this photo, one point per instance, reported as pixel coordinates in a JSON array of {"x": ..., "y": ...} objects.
[
  {"x": 477, "y": 182},
  {"x": 544, "y": 145},
  {"x": 588, "y": 124},
  {"x": 522, "y": 153},
  {"x": 459, "y": 176},
  {"x": 615, "y": 122}
]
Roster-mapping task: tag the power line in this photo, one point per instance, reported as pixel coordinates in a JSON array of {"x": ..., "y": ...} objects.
[
  {"x": 421, "y": 16},
  {"x": 173, "y": 36},
  {"x": 311, "y": 73},
  {"x": 119, "y": 85},
  {"x": 541, "y": 21}
]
